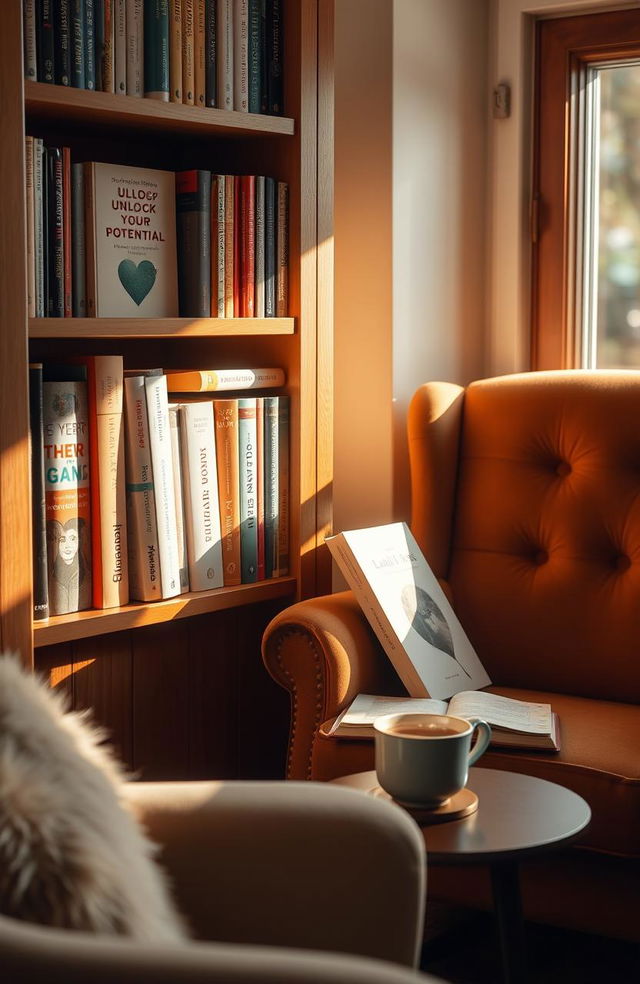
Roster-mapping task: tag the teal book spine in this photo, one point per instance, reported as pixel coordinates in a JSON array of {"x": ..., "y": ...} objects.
[{"x": 156, "y": 49}]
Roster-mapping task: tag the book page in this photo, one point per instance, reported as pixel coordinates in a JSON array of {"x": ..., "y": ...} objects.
[
  {"x": 503, "y": 712},
  {"x": 366, "y": 708}
]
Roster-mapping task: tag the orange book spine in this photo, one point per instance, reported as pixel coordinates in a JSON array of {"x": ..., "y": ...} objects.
[
  {"x": 66, "y": 231},
  {"x": 175, "y": 51},
  {"x": 188, "y": 40},
  {"x": 226, "y": 420},
  {"x": 247, "y": 245}
]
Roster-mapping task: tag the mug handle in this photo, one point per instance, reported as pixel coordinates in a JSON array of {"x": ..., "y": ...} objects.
[{"x": 482, "y": 741}]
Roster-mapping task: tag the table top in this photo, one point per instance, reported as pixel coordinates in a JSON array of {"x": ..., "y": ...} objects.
[{"x": 517, "y": 816}]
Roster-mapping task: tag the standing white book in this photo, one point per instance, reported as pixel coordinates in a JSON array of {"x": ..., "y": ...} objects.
[
  {"x": 164, "y": 491},
  {"x": 202, "y": 509},
  {"x": 176, "y": 457},
  {"x": 144, "y": 560},
  {"x": 241, "y": 56},
  {"x": 408, "y": 610},
  {"x": 130, "y": 232},
  {"x": 224, "y": 53}
]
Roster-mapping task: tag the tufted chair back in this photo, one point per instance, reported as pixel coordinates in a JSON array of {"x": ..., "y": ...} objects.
[{"x": 526, "y": 502}]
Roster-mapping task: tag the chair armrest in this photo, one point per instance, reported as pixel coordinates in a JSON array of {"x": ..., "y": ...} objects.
[
  {"x": 323, "y": 652},
  {"x": 298, "y": 864}
]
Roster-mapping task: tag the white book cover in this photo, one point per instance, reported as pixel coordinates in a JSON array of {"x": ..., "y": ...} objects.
[
  {"x": 202, "y": 509},
  {"x": 241, "y": 56},
  {"x": 408, "y": 610},
  {"x": 144, "y": 560},
  {"x": 176, "y": 454},
  {"x": 224, "y": 52},
  {"x": 131, "y": 242},
  {"x": 135, "y": 48},
  {"x": 120, "y": 46},
  {"x": 162, "y": 461},
  {"x": 259, "y": 248}
]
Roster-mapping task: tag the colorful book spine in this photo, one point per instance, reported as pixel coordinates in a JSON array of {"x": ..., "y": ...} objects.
[
  {"x": 226, "y": 421},
  {"x": 164, "y": 492},
  {"x": 68, "y": 509},
  {"x": 255, "y": 56},
  {"x": 210, "y": 56},
  {"x": 237, "y": 249},
  {"x": 77, "y": 44},
  {"x": 202, "y": 508},
  {"x": 120, "y": 46},
  {"x": 89, "y": 45},
  {"x": 78, "y": 245},
  {"x": 135, "y": 48},
  {"x": 67, "y": 233},
  {"x": 282, "y": 551},
  {"x": 62, "y": 41},
  {"x": 229, "y": 237},
  {"x": 31, "y": 259},
  {"x": 188, "y": 52},
  {"x": 29, "y": 33},
  {"x": 217, "y": 245},
  {"x": 248, "y": 484},
  {"x": 274, "y": 56},
  {"x": 193, "y": 221},
  {"x": 199, "y": 58},
  {"x": 241, "y": 56},
  {"x": 156, "y": 49},
  {"x": 38, "y": 507},
  {"x": 178, "y": 487},
  {"x": 224, "y": 28},
  {"x": 45, "y": 41},
  {"x": 269, "y": 248},
  {"x": 247, "y": 244},
  {"x": 271, "y": 488},
  {"x": 175, "y": 50},
  {"x": 282, "y": 257},
  {"x": 259, "y": 248},
  {"x": 212, "y": 380},
  {"x": 142, "y": 531},
  {"x": 260, "y": 483},
  {"x": 55, "y": 243}
]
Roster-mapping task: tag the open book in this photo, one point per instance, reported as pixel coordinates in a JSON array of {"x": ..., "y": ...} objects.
[{"x": 514, "y": 723}]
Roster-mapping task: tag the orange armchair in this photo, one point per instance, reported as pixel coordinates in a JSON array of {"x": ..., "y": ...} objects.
[{"x": 526, "y": 502}]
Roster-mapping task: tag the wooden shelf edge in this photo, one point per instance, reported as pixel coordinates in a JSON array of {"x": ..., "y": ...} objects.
[
  {"x": 81, "y": 625},
  {"x": 158, "y": 327},
  {"x": 44, "y": 100}
]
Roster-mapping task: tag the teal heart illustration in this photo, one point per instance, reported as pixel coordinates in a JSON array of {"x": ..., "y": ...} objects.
[{"x": 137, "y": 280}]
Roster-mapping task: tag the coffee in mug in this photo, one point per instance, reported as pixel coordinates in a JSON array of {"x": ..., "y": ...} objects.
[{"x": 422, "y": 760}]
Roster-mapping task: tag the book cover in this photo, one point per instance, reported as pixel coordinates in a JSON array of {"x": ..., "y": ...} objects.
[
  {"x": 226, "y": 421},
  {"x": 241, "y": 55},
  {"x": 282, "y": 257},
  {"x": 247, "y": 245},
  {"x": 45, "y": 41},
  {"x": 131, "y": 242},
  {"x": 282, "y": 552},
  {"x": 163, "y": 487},
  {"x": 38, "y": 507},
  {"x": 120, "y": 46},
  {"x": 259, "y": 248},
  {"x": 248, "y": 483},
  {"x": 29, "y": 40},
  {"x": 210, "y": 56},
  {"x": 156, "y": 49},
  {"x": 178, "y": 468},
  {"x": 188, "y": 52},
  {"x": 209, "y": 380},
  {"x": 202, "y": 507},
  {"x": 193, "y": 219},
  {"x": 142, "y": 529},
  {"x": 224, "y": 52},
  {"x": 68, "y": 509},
  {"x": 255, "y": 56},
  {"x": 135, "y": 48},
  {"x": 62, "y": 41},
  {"x": 199, "y": 42},
  {"x": 175, "y": 50},
  {"x": 31, "y": 258},
  {"x": 217, "y": 245},
  {"x": 78, "y": 245},
  {"x": 260, "y": 482},
  {"x": 271, "y": 487},
  {"x": 408, "y": 610}
]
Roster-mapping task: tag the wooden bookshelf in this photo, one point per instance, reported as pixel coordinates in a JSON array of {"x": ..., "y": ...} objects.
[{"x": 136, "y": 663}]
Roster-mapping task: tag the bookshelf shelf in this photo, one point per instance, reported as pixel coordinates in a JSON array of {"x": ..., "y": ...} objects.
[
  {"x": 93, "y": 622},
  {"x": 177, "y": 328},
  {"x": 103, "y": 109}
]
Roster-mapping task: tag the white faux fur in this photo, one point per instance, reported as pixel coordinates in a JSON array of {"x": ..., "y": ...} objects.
[{"x": 71, "y": 855}]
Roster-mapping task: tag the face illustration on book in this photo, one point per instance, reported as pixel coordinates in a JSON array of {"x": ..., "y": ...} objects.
[{"x": 428, "y": 620}]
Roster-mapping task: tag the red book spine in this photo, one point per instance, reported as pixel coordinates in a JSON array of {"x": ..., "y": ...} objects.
[
  {"x": 66, "y": 230},
  {"x": 237, "y": 250},
  {"x": 247, "y": 244}
]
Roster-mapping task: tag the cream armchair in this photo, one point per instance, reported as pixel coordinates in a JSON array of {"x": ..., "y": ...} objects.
[{"x": 295, "y": 882}]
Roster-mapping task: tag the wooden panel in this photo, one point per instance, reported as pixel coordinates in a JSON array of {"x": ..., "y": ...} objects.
[
  {"x": 108, "y": 110},
  {"x": 213, "y": 694},
  {"x": 102, "y": 680},
  {"x": 55, "y": 664},
  {"x": 15, "y": 511},
  {"x": 158, "y": 328}
]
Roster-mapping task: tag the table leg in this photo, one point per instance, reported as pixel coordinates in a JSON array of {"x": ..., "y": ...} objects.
[{"x": 508, "y": 910}]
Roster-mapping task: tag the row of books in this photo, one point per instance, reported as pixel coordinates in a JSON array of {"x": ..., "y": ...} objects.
[
  {"x": 139, "y": 495},
  {"x": 107, "y": 240},
  {"x": 216, "y": 53}
]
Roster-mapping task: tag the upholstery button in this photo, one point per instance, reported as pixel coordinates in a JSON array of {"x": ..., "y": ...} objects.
[
  {"x": 563, "y": 468},
  {"x": 622, "y": 562},
  {"x": 540, "y": 557}
]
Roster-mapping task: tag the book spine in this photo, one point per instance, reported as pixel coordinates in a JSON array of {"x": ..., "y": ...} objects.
[
  {"x": 68, "y": 510},
  {"x": 66, "y": 230},
  {"x": 199, "y": 43},
  {"x": 269, "y": 248},
  {"x": 56, "y": 232},
  {"x": 62, "y": 41},
  {"x": 260, "y": 484},
  {"x": 259, "y": 248},
  {"x": 45, "y": 41},
  {"x": 209, "y": 380},
  {"x": 91, "y": 284},
  {"x": 31, "y": 259},
  {"x": 108, "y": 64},
  {"x": 45, "y": 230},
  {"x": 38, "y": 231},
  {"x": 193, "y": 206},
  {"x": 89, "y": 45},
  {"x": 202, "y": 509},
  {"x": 29, "y": 39},
  {"x": 217, "y": 246},
  {"x": 188, "y": 52},
  {"x": 156, "y": 49},
  {"x": 135, "y": 48},
  {"x": 175, "y": 50},
  {"x": 226, "y": 421},
  {"x": 237, "y": 249},
  {"x": 248, "y": 245},
  {"x": 161, "y": 457},
  {"x": 255, "y": 56},
  {"x": 78, "y": 242},
  {"x": 177, "y": 462},
  {"x": 98, "y": 43},
  {"x": 229, "y": 236},
  {"x": 210, "y": 57},
  {"x": 247, "y": 480},
  {"x": 120, "y": 46},
  {"x": 282, "y": 551},
  {"x": 282, "y": 259},
  {"x": 77, "y": 44},
  {"x": 241, "y": 56},
  {"x": 271, "y": 490},
  {"x": 142, "y": 530},
  {"x": 224, "y": 26},
  {"x": 274, "y": 56},
  {"x": 38, "y": 509}
]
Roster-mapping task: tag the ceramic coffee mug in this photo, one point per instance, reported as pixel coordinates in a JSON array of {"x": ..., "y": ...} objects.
[{"x": 423, "y": 759}]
